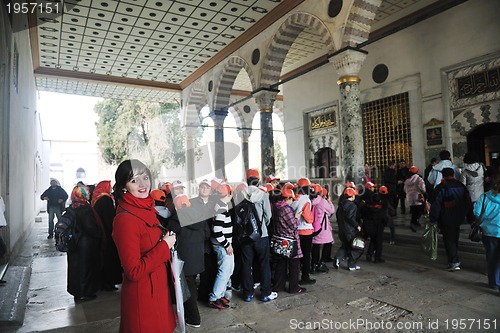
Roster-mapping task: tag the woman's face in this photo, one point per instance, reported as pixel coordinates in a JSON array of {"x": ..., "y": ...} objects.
[{"x": 139, "y": 186}]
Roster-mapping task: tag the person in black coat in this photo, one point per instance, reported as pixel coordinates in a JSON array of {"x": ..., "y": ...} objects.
[
  {"x": 348, "y": 228},
  {"x": 190, "y": 246},
  {"x": 373, "y": 226},
  {"x": 391, "y": 182},
  {"x": 452, "y": 206},
  {"x": 401, "y": 175},
  {"x": 84, "y": 257},
  {"x": 56, "y": 198},
  {"x": 104, "y": 205}
]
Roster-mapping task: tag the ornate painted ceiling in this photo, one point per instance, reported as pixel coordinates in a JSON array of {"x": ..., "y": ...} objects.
[{"x": 151, "y": 49}]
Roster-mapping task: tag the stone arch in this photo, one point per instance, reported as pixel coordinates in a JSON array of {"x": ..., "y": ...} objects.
[
  {"x": 320, "y": 142},
  {"x": 283, "y": 40},
  {"x": 464, "y": 122},
  {"x": 359, "y": 22},
  {"x": 196, "y": 99},
  {"x": 231, "y": 70}
]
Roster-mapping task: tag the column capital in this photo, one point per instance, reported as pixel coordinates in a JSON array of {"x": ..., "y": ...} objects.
[
  {"x": 244, "y": 133},
  {"x": 348, "y": 64},
  {"x": 265, "y": 97},
  {"x": 218, "y": 116}
]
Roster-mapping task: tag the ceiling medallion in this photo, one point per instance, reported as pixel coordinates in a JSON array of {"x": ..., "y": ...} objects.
[
  {"x": 380, "y": 73},
  {"x": 255, "y": 56},
  {"x": 334, "y": 8},
  {"x": 210, "y": 85}
]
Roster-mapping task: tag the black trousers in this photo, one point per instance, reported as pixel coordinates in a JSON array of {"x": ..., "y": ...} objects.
[
  {"x": 305, "y": 246},
  {"x": 3, "y": 247},
  {"x": 191, "y": 312},
  {"x": 207, "y": 278},
  {"x": 325, "y": 253},
  {"x": 376, "y": 241},
  {"x": 279, "y": 279},
  {"x": 416, "y": 212},
  {"x": 450, "y": 239}
]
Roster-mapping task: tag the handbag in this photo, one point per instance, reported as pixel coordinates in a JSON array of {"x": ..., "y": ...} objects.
[
  {"x": 284, "y": 246},
  {"x": 476, "y": 233},
  {"x": 358, "y": 243},
  {"x": 430, "y": 240}
]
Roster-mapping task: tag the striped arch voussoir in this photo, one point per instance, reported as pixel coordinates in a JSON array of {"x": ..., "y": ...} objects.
[
  {"x": 283, "y": 40},
  {"x": 359, "y": 22},
  {"x": 231, "y": 70}
]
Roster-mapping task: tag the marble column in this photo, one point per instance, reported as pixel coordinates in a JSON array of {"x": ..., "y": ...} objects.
[
  {"x": 265, "y": 99},
  {"x": 348, "y": 64},
  {"x": 244, "y": 134},
  {"x": 218, "y": 117}
]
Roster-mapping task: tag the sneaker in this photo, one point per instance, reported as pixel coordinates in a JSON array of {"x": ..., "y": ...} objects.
[
  {"x": 193, "y": 325},
  {"x": 50, "y": 236},
  {"x": 217, "y": 304},
  {"x": 336, "y": 263},
  {"x": 355, "y": 268},
  {"x": 322, "y": 268},
  {"x": 270, "y": 297},
  {"x": 224, "y": 300},
  {"x": 248, "y": 298},
  {"x": 299, "y": 291},
  {"x": 454, "y": 267},
  {"x": 256, "y": 285}
]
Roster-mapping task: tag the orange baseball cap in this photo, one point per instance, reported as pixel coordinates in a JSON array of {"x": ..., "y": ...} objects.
[
  {"x": 181, "y": 200},
  {"x": 349, "y": 192},
  {"x": 288, "y": 193},
  {"x": 158, "y": 195},
  {"x": 383, "y": 190},
  {"x": 317, "y": 188},
  {"x": 304, "y": 182},
  {"x": 414, "y": 169},
  {"x": 324, "y": 192},
  {"x": 252, "y": 173},
  {"x": 223, "y": 189}
]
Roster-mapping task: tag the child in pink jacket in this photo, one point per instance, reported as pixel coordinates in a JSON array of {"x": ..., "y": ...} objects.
[{"x": 322, "y": 230}]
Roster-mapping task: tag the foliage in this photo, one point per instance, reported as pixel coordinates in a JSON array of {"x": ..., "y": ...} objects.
[
  {"x": 279, "y": 159},
  {"x": 150, "y": 132}
]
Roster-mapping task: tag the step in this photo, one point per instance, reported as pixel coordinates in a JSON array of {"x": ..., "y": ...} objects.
[{"x": 14, "y": 295}]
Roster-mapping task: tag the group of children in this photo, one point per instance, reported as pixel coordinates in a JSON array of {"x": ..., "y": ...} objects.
[{"x": 209, "y": 235}]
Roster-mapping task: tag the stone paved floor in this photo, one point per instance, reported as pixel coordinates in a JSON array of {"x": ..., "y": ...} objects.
[{"x": 408, "y": 290}]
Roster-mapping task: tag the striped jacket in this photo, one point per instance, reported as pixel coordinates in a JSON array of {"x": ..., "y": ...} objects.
[{"x": 222, "y": 230}]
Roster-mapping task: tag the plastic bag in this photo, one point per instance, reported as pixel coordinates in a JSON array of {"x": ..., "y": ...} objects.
[{"x": 430, "y": 240}]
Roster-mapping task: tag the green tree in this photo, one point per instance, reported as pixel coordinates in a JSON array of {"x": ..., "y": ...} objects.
[
  {"x": 279, "y": 159},
  {"x": 147, "y": 131}
]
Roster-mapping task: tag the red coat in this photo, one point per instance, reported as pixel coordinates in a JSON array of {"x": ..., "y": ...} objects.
[{"x": 145, "y": 301}]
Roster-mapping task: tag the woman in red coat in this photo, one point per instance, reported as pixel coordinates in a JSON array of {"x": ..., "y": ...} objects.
[{"x": 144, "y": 252}]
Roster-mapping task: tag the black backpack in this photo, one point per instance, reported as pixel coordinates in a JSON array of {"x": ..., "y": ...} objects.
[
  {"x": 247, "y": 228},
  {"x": 66, "y": 233}
]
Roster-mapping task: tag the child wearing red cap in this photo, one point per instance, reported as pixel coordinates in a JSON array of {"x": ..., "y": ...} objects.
[
  {"x": 323, "y": 236},
  {"x": 414, "y": 188},
  {"x": 222, "y": 244},
  {"x": 286, "y": 225},
  {"x": 348, "y": 228}
]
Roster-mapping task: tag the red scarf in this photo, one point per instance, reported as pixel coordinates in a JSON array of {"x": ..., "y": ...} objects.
[
  {"x": 102, "y": 189},
  {"x": 142, "y": 208}
]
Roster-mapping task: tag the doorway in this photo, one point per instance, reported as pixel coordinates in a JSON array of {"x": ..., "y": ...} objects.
[
  {"x": 485, "y": 140},
  {"x": 326, "y": 163}
]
